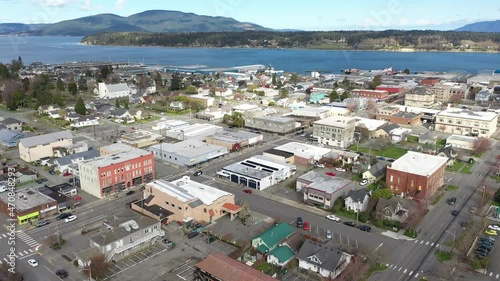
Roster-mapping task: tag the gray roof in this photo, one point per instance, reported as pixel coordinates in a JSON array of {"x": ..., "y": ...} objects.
[
  {"x": 389, "y": 127},
  {"x": 45, "y": 139},
  {"x": 192, "y": 148},
  {"x": 10, "y": 135},
  {"x": 420, "y": 91},
  {"x": 66, "y": 160},
  {"x": 449, "y": 151},
  {"x": 379, "y": 169},
  {"x": 393, "y": 203},
  {"x": 121, "y": 87},
  {"x": 118, "y": 112},
  {"x": 325, "y": 183},
  {"x": 358, "y": 195},
  {"x": 329, "y": 255},
  {"x": 9, "y": 120},
  {"x": 233, "y": 136}
]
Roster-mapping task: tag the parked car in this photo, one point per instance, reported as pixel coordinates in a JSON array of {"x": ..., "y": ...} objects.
[
  {"x": 299, "y": 222},
  {"x": 33, "y": 262},
  {"x": 192, "y": 234},
  {"x": 70, "y": 218},
  {"x": 332, "y": 174},
  {"x": 248, "y": 191},
  {"x": 320, "y": 165},
  {"x": 340, "y": 169},
  {"x": 44, "y": 179},
  {"x": 452, "y": 201},
  {"x": 63, "y": 216},
  {"x": 198, "y": 173},
  {"x": 494, "y": 227},
  {"x": 130, "y": 192},
  {"x": 365, "y": 228},
  {"x": 67, "y": 174},
  {"x": 328, "y": 234},
  {"x": 491, "y": 232},
  {"x": 454, "y": 212},
  {"x": 350, "y": 223},
  {"x": 306, "y": 225},
  {"x": 52, "y": 172},
  {"x": 168, "y": 242},
  {"x": 61, "y": 273},
  {"x": 210, "y": 239},
  {"x": 42, "y": 223},
  {"x": 39, "y": 181},
  {"x": 363, "y": 182},
  {"x": 333, "y": 218}
]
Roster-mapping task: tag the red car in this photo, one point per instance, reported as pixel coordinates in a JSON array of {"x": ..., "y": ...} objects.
[
  {"x": 248, "y": 191},
  {"x": 306, "y": 225},
  {"x": 330, "y": 174},
  {"x": 66, "y": 174}
]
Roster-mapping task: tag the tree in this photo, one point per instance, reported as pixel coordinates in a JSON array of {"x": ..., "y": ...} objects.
[
  {"x": 377, "y": 81},
  {"x": 117, "y": 103},
  {"x": 226, "y": 118},
  {"x": 497, "y": 196},
  {"x": 53, "y": 241},
  {"x": 364, "y": 132},
  {"x": 191, "y": 90},
  {"x": 60, "y": 85},
  {"x": 98, "y": 267},
  {"x": 355, "y": 270},
  {"x": 244, "y": 213},
  {"x": 406, "y": 71},
  {"x": 82, "y": 84},
  {"x": 80, "y": 106},
  {"x": 481, "y": 145},
  {"x": 415, "y": 213},
  {"x": 26, "y": 84},
  {"x": 273, "y": 79},
  {"x": 72, "y": 88},
  {"x": 176, "y": 82},
  {"x": 294, "y": 78},
  {"x": 105, "y": 70},
  {"x": 239, "y": 121},
  {"x": 283, "y": 93},
  {"x": 456, "y": 98},
  {"x": 334, "y": 96},
  {"x": 125, "y": 104},
  {"x": 158, "y": 80},
  {"x": 58, "y": 99},
  {"x": 345, "y": 95},
  {"x": 383, "y": 193},
  {"x": 352, "y": 106}
]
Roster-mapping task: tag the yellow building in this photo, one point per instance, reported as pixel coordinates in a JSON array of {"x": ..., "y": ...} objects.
[{"x": 38, "y": 147}]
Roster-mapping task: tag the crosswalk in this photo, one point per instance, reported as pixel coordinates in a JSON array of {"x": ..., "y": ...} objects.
[
  {"x": 493, "y": 275},
  {"x": 19, "y": 255},
  {"x": 404, "y": 270},
  {"x": 426, "y": 243},
  {"x": 32, "y": 243}
]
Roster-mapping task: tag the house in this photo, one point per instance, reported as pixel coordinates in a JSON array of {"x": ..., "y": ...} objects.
[
  {"x": 461, "y": 142},
  {"x": 10, "y": 138},
  {"x": 177, "y": 106},
  {"x": 45, "y": 109},
  {"x": 25, "y": 175},
  {"x": 121, "y": 235},
  {"x": 376, "y": 172},
  {"x": 357, "y": 200},
  {"x": 72, "y": 117},
  {"x": 218, "y": 266},
  {"x": 55, "y": 114},
  {"x": 12, "y": 124},
  {"x": 62, "y": 164},
  {"x": 325, "y": 259},
  {"x": 286, "y": 250},
  {"x": 84, "y": 121},
  {"x": 121, "y": 115},
  {"x": 104, "y": 109},
  {"x": 36, "y": 147},
  {"x": 449, "y": 152},
  {"x": 270, "y": 239},
  {"x": 420, "y": 97},
  {"x": 395, "y": 209},
  {"x": 139, "y": 114},
  {"x": 113, "y": 91},
  {"x": 321, "y": 189}
]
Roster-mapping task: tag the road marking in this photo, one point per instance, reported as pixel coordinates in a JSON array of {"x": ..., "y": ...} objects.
[
  {"x": 26, "y": 252},
  {"x": 421, "y": 242},
  {"x": 427, "y": 243},
  {"x": 405, "y": 270},
  {"x": 432, "y": 244},
  {"x": 400, "y": 268},
  {"x": 21, "y": 254},
  {"x": 416, "y": 275},
  {"x": 498, "y": 275},
  {"x": 416, "y": 241},
  {"x": 411, "y": 272},
  {"x": 437, "y": 245},
  {"x": 491, "y": 273}
]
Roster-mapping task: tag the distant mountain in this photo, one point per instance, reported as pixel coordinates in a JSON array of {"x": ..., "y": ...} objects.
[
  {"x": 483, "y": 26},
  {"x": 148, "y": 21}
]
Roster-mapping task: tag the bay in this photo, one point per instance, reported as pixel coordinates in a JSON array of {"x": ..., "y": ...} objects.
[{"x": 56, "y": 49}]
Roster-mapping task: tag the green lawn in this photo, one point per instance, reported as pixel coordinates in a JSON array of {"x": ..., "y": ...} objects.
[
  {"x": 393, "y": 152},
  {"x": 265, "y": 267},
  {"x": 456, "y": 166},
  {"x": 436, "y": 200},
  {"x": 378, "y": 267},
  {"x": 452, "y": 187},
  {"x": 411, "y": 233},
  {"x": 443, "y": 256},
  {"x": 345, "y": 214},
  {"x": 467, "y": 168},
  {"x": 412, "y": 139}
]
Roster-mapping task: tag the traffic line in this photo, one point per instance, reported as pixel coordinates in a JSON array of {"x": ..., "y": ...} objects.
[
  {"x": 421, "y": 242},
  {"x": 498, "y": 275},
  {"x": 416, "y": 275},
  {"x": 411, "y": 272},
  {"x": 432, "y": 244}
]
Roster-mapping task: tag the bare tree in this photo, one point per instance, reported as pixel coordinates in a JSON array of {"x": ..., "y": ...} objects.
[
  {"x": 355, "y": 270},
  {"x": 441, "y": 128},
  {"x": 415, "y": 214},
  {"x": 51, "y": 240},
  {"x": 481, "y": 144},
  {"x": 352, "y": 106},
  {"x": 364, "y": 132},
  {"x": 456, "y": 98},
  {"x": 244, "y": 212},
  {"x": 98, "y": 267}
]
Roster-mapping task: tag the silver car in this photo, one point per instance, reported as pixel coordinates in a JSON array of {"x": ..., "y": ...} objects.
[{"x": 328, "y": 234}]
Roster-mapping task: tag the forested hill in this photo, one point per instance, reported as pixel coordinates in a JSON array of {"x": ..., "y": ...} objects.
[{"x": 339, "y": 40}]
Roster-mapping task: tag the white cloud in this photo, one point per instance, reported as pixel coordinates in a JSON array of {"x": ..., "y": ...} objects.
[
  {"x": 120, "y": 4},
  {"x": 53, "y": 3}
]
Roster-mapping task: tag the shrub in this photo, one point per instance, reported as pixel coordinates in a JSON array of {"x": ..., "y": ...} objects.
[
  {"x": 364, "y": 217},
  {"x": 378, "y": 223}
]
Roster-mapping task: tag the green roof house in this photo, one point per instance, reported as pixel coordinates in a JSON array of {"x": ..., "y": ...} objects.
[{"x": 269, "y": 239}]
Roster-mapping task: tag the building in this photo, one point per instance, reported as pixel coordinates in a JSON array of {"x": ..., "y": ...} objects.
[
  {"x": 483, "y": 96},
  {"x": 395, "y": 209},
  {"x": 62, "y": 164},
  {"x": 321, "y": 189},
  {"x": 219, "y": 267},
  {"x": 286, "y": 250},
  {"x": 376, "y": 172},
  {"x": 121, "y": 235},
  {"x": 205, "y": 101},
  {"x": 37, "y": 147},
  {"x": 170, "y": 125},
  {"x": 258, "y": 172},
  {"x": 420, "y": 97},
  {"x": 461, "y": 142},
  {"x": 45, "y": 109},
  {"x": 10, "y": 138},
  {"x": 194, "y": 131},
  {"x": 12, "y": 124},
  {"x": 272, "y": 124},
  {"x": 378, "y": 95},
  {"x": 115, "y": 148},
  {"x": 444, "y": 92},
  {"x": 335, "y": 131},
  {"x": 64, "y": 202},
  {"x": 108, "y": 174},
  {"x": 394, "y": 115},
  {"x": 465, "y": 122},
  {"x": 113, "y": 91},
  {"x": 391, "y": 89},
  {"x": 234, "y": 140},
  {"x": 357, "y": 200},
  {"x": 365, "y": 128},
  {"x": 303, "y": 154},
  {"x": 85, "y": 121},
  {"x": 30, "y": 205},
  {"x": 140, "y": 138},
  {"x": 185, "y": 199},
  {"x": 430, "y": 81},
  {"x": 325, "y": 259},
  {"x": 187, "y": 153},
  {"x": 270, "y": 239},
  {"x": 416, "y": 174}
]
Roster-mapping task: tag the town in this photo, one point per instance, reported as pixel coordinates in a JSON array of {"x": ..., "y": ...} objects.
[{"x": 123, "y": 171}]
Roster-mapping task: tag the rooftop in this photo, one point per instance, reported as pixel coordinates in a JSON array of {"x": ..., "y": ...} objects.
[
  {"x": 257, "y": 167},
  {"x": 117, "y": 87},
  {"x": 370, "y": 124},
  {"x": 186, "y": 190},
  {"x": 325, "y": 183},
  {"x": 461, "y": 138},
  {"x": 28, "y": 198},
  {"x": 111, "y": 159},
  {"x": 276, "y": 234},
  {"x": 115, "y": 148},
  {"x": 45, "y": 139},
  {"x": 234, "y": 136},
  {"x": 418, "y": 163},
  {"x": 274, "y": 119},
  {"x": 304, "y": 150},
  {"x": 197, "y": 130},
  {"x": 469, "y": 114},
  {"x": 335, "y": 121},
  {"x": 191, "y": 148}
]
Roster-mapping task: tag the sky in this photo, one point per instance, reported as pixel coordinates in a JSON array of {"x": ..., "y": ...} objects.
[{"x": 277, "y": 14}]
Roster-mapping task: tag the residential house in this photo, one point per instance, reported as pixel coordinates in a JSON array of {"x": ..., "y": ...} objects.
[
  {"x": 85, "y": 121},
  {"x": 461, "y": 142},
  {"x": 62, "y": 164},
  {"x": 12, "y": 124},
  {"x": 449, "y": 152},
  {"x": 357, "y": 200},
  {"x": 72, "y": 117},
  {"x": 10, "y": 138},
  {"x": 270, "y": 239},
  {"x": 121, "y": 115},
  {"x": 286, "y": 250},
  {"x": 176, "y": 106},
  {"x": 104, "y": 109},
  {"x": 321, "y": 189},
  {"x": 376, "y": 172},
  {"x": 37, "y": 147},
  {"x": 25, "y": 175},
  {"x": 139, "y": 114},
  {"x": 55, "y": 114},
  {"x": 395, "y": 209},
  {"x": 45, "y": 109},
  {"x": 325, "y": 259}
]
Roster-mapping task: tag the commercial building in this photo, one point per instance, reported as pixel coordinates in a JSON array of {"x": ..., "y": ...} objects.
[
  {"x": 205, "y": 101},
  {"x": 448, "y": 90},
  {"x": 465, "y": 122},
  {"x": 170, "y": 125},
  {"x": 140, "y": 138},
  {"x": 401, "y": 117},
  {"x": 416, "y": 175},
  {"x": 258, "y": 172},
  {"x": 187, "y": 153},
  {"x": 378, "y": 95},
  {"x": 194, "y": 131},
  {"x": 113, "y": 91},
  {"x": 112, "y": 173},
  {"x": 321, "y": 189},
  {"x": 335, "y": 131},
  {"x": 234, "y": 140},
  {"x": 272, "y": 124},
  {"x": 297, "y": 153},
  {"x": 30, "y": 205},
  {"x": 115, "y": 148},
  {"x": 461, "y": 142},
  {"x": 185, "y": 200},
  {"x": 37, "y": 147},
  {"x": 420, "y": 97}
]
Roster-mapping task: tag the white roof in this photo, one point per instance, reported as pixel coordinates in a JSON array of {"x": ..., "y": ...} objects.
[
  {"x": 418, "y": 163},
  {"x": 120, "y": 157},
  {"x": 370, "y": 124},
  {"x": 469, "y": 114},
  {"x": 335, "y": 121},
  {"x": 245, "y": 106},
  {"x": 460, "y": 138},
  {"x": 191, "y": 148},
  {"x": 304, "y": 150},
  {"x": 121, "y": 87},
  {"x": 46, "y": 139},
  {"x": 186, "y": 190},
  {"x": 416, "y": 110},
  {"x": 198, "y": 130}
]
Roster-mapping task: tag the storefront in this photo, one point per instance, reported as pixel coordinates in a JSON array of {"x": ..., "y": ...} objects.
[{"x": 27, "y": 218}]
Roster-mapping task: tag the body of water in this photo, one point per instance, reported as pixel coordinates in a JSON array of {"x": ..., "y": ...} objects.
[{"x": 68, "y": 49}]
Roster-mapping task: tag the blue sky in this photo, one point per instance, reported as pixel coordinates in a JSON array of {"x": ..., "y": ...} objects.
[{"x": 279, "y": 14}]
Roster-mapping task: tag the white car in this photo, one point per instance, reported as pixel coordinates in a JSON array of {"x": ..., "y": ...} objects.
[
  {"x": 33, "y": 262},
  {"x": 340, "y": 169},
  {"x": 333, "y": 218},
  {"x": 70, "y": 218},
  {"x": 320, "y": 166},
  {"x": 363, "y": 182},
  {"x": 494, "y": 227}
]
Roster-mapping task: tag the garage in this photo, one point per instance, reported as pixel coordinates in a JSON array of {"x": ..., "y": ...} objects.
[
  {"x": 252, "y": 184},
  {"x": 234, "y": 178}
]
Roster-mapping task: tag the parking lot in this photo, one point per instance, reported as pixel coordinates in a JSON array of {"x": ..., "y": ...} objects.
[
  {"x": 320, "y": 232},
  {"x": 186, "y": 269},
  {"x": 293, "y": 276}
]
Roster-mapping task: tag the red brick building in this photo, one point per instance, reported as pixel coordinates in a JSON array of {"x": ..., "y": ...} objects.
[
  {"x": 389, "y": 89},
  {"x": 393, "y": 115},
  {"x": 112, "y": 173},
  {"x": 430, "y": 81},
  {"x": 371, "y": 94},
  {"x": 416, "y": 175}
]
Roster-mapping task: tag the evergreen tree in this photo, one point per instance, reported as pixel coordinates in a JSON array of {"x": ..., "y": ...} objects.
[
  {"x": 60, "y": 85},
  {"x": 4, "y": 72},
  {"x": 72, "y": 88},
  {"x": 176, "y": 82},
  {"x": 117, "y": 103},
  {"x": 80, "y": 106}
]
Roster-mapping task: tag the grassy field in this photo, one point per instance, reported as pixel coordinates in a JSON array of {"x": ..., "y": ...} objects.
[
  {"x": 451, "y": 187},
  {"x": 393, "y": 152},
  {"x": 443, "y": 256},
  {"x": 456, "y": 166}
]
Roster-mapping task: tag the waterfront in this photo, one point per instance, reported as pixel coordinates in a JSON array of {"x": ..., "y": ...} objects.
[{"x": 68, "y": 49}]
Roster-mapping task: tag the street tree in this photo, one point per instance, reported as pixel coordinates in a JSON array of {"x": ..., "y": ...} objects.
[
  {"x": 355, "y": 270},
  {"x": 176, "y": 82},
  {"x": 98, "y": 267},
  {"x": 191, "y": 90},
  {"x": 456, "y": 98},
  {"x": 415, "y": 213},
  {"x": 244, "y": 213},
  {"x": 481, "y": 145},
  {"x": 345, "y": 95},
  {"x": 334, "y": 96},
  {"x": 376, "y": 81}
]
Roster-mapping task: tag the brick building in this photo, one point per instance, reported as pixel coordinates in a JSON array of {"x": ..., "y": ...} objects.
[
  {"x": 116, "y": 172},
  {"x": 430, "y": 81},
  {"x": 394, "y": 115},
  {"x": 390, "y": 89},
  {"x": 29, "y": 205},
  {"x": 416, "y": 174},
  {"x": 371, "y": 94}
]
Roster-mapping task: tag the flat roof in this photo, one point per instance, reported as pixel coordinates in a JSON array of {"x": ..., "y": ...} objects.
[
  {"x": 275, "y": 119},
  {"x": 257, "y": 167},
  {"x": 234, "y": 136},
  {"x": 28, "y": 198},
  {"x": 198, "y": 130},
  {"x": 335, "y": 121},
  {"x": 110, "y": 159},
  {"x": 186, "y": 190},
  {"x": 45, "y": 139},
  {"x": 324, "y": 182},
  {"x": 418, "y": 163},
  {"x": 116, "y": 148},
  {"x": 469, "y": 114},
  {"x": 304, "y": 150},
  {"x": 370, "y": 124},
  {"x": 190, "y": 148},
  {"x": 461, "y": 138}
]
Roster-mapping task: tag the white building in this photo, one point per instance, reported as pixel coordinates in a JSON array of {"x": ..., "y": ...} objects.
[
  {"x": 85, "y": 121},
  {"x": 196, "y": 131},
  {"x": 326, "y": 260},
  {"x": 466, "y": 122},
  {"x": 357, "y": 200},
  {"x": 335, "y": 131},
  {"x": 461, "y": 142},
  {"x": 170, "y": 125},
  {"x": 113, "y": 91}
]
